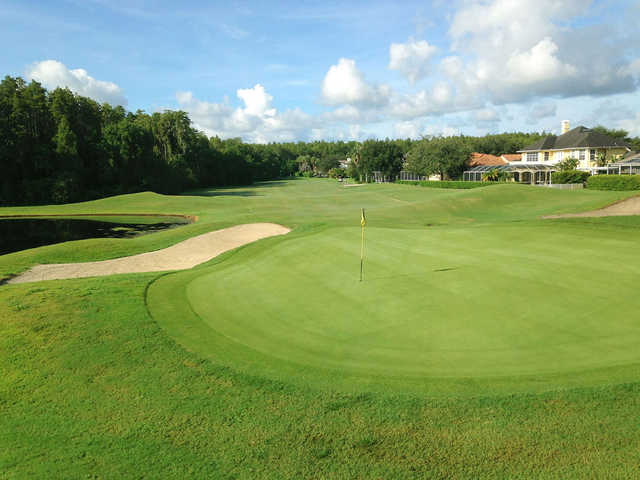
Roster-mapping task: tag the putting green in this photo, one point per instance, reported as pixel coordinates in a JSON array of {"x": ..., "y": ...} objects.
[{"x": 508, "y": 307}]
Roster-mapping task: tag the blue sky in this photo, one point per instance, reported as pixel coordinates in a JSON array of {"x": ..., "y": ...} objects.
[{"x": 279, "y": 71}]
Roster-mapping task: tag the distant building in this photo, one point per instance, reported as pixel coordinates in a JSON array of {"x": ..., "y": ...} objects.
[
  {"x": 581, "y": 143},
  {"x": 485, "y": 159}
]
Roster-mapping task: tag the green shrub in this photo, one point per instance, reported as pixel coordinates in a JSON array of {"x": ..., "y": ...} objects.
[
  {"x": 569, "y": 176},
  {"x": 614, "y": 182},
  {"x": 336, "y": 173},
  {"x": 447, "y": 183}
]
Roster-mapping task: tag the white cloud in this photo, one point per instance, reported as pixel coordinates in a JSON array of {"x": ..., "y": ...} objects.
[
  {"x": 631, "y": 125},
  {"x": 537, "y": 65},
  {"x": 345, "y": 84},
  {"x": 441, "y": 131},
  {"x": 258, "y": 121},
  {"x": 53, "y": 74},
  {"x": 412, "y": 59},
  {"x": 406, "y": 130},
  {"x": 257, "y": 101},
  {"x": 512, "y": 51}
]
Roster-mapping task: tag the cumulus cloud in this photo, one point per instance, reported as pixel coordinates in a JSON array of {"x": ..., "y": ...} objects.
[
  {"x": 257, "y": 121},
  {"x": 514, "y": 51},
  {"x": 412, "y": 59},
  {"x": 345, "y": 84},
  {"x": 53, "y": 74}
]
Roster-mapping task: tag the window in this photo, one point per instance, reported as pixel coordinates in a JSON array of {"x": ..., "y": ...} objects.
[
  {"x": 532, "y": 156},
  {"x": 592, "y": 155},
  {"x": 582, "y": 155},
  {"x": 546, "y": 156}
]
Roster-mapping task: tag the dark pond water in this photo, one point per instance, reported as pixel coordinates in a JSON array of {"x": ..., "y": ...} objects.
[{"x": 23, "y": 233}]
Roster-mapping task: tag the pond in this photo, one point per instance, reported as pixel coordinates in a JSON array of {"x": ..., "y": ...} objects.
[{"x": 22, "y": 233}]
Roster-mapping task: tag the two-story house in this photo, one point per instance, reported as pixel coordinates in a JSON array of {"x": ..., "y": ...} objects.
[{"x": 592, "y": 149}]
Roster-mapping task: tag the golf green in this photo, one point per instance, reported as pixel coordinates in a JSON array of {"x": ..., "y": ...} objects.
[{"x": 507, "y": 307}]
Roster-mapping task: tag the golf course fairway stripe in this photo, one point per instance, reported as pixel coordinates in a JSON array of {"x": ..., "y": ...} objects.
[{"x": 183, "y": 255}]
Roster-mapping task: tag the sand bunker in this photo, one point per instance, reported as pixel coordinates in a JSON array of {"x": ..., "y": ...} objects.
[
  {"x": 183, "y": 255},
  {"x": 630, "y": 206}
]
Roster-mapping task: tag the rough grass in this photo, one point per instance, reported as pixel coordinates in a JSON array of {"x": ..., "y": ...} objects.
[{"x": 91, "y": 386}]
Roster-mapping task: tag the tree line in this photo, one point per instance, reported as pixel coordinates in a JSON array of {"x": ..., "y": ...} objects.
[{"x": 59, "y": 147}]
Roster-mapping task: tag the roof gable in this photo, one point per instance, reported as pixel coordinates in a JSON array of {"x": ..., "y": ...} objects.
[{"x": 579, "y": 137}]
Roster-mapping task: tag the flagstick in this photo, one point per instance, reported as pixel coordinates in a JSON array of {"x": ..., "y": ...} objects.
[
  {"x": 362, "y": 244},
  {"x": 361, "y": 253}
]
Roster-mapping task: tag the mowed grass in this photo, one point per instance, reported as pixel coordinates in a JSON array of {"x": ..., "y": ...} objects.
[
  {"x": 465, "y": 303},
  {"x": 91, "y": 385}
]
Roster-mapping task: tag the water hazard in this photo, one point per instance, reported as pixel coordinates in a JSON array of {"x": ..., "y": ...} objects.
[{"x": 22, "y": 233}]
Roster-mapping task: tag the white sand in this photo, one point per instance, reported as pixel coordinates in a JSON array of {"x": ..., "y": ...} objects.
[
  {"x": 183, "y": 255},
  {"x": 630, "y": 206}
]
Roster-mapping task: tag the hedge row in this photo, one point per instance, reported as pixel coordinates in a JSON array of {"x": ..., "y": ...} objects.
[
  {"x": 447, "y": 183},
  {"x": 614, "y": 182},
  {"x": 569, "y": 176}
]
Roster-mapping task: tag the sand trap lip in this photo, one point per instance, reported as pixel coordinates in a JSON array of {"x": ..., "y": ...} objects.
[
  {"x": 183, "y": 255},
  {"x": 626, "y": 207}
]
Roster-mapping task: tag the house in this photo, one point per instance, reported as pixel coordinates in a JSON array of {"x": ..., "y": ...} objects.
[{"x": 589, "y": 147}]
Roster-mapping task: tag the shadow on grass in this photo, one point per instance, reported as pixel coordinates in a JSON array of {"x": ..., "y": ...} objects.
[
  {"x": 237, "y": 191},
  {"x": 410, "y": 275},
  {"x": 220, "y": 193}
]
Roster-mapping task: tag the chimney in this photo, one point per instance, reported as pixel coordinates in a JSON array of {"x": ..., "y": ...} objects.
[{"x": 565, "y": 127}]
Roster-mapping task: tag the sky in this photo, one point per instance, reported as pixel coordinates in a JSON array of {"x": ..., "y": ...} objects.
[{"x": 349, "y": 70}]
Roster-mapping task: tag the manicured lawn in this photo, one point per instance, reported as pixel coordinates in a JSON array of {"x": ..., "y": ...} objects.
[{"x": 483, "y": 343}]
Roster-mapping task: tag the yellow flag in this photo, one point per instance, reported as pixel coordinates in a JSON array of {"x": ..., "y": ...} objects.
[{"x": 363, "y": 222}]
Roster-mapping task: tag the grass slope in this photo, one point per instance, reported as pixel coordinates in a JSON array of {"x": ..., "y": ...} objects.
[{"x": 92, "y": 386}]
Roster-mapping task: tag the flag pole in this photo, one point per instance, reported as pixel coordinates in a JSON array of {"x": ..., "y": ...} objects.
[{"x": 362, "y": 224}]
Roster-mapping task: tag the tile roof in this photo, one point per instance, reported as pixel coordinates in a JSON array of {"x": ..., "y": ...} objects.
[
  {"x": 579, "y": 137},
  {"x": 511, "y": 157},
  {"x": 485, "y": 159}
]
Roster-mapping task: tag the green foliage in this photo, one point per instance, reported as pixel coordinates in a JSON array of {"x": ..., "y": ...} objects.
[
  {"x": 501, "y": 143},
  {"x": 336, "y": 173},
  {"x": 568, "y": 164},
  {"x": 444, "y": 156},
  {"x": 496, "y": 175},
  {"x": 384, "y": 156},
  {"x": 447, "y": 184},
  {"x": 614, "y": 182},
  {"x": 569, "y": 176},
  {"x": 328, "y": 162}
]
